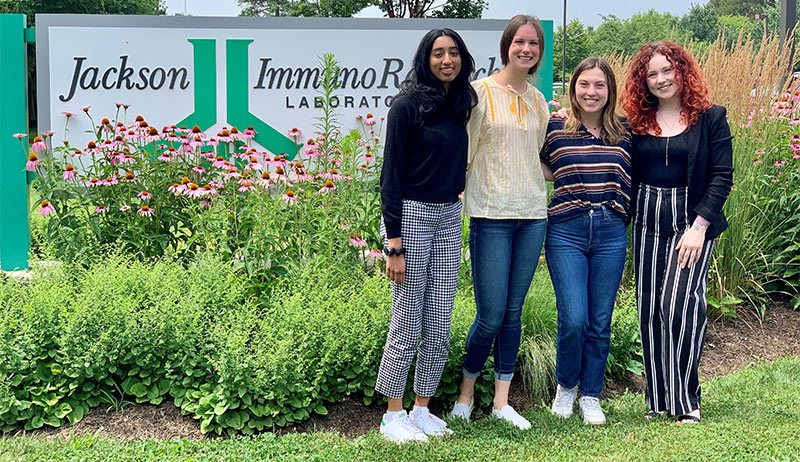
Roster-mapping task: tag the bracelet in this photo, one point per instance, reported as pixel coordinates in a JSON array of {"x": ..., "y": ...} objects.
[{"x": 392, "y": 252}]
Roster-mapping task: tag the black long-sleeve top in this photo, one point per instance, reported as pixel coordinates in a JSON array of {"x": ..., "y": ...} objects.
[
  {"x": 424, "y": 160},
  {"x": 709, "y": 173}
]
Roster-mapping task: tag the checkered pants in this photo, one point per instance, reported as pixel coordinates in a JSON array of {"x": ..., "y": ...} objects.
[{"x": 423, "y": 304}]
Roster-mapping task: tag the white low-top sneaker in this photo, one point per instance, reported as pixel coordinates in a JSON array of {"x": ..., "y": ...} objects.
[
  {"x": 429, "y": 423},
  {"x": 510, "y": 415},
  {"x": 401, "y": 429},
  {"x": 565, "y": 401},
  {"x": 591, "y": 411},
  {"x": 463, "y": 411}
]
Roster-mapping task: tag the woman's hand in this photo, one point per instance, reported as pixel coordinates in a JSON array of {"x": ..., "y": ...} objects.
[
  {"x": 562, "y": 113},
  {"x": 396, "y": 264},
  {"x": 396, "y": 268},
  {"x": 690, "y": 246}
]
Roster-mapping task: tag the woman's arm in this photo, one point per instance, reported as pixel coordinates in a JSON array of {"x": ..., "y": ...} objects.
[{"x": 720, "y": 166}]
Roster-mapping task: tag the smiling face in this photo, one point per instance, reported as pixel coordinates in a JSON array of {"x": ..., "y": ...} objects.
[
  {"x": 591, "y": 90},
  {"x": 523, "y": 53},
  {"x": 445, "y": 60},
  {"x": 662, "y": 78}
]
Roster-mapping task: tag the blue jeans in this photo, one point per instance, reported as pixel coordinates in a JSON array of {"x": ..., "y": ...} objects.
[
  {"x": 585, "y": 256},
  {"x": 504, "y": 255}
]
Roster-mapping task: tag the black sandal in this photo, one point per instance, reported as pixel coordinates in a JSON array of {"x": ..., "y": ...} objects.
[
  {"x": 653, "y": 415},
  {"x": 688, "y": 419}
]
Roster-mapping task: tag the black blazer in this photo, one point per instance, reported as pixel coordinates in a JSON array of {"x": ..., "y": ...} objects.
[{"x": 710, "y": 169}]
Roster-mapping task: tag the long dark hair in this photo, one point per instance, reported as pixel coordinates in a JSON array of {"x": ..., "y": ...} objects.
[
  {"x": 428, "y": 91},
  {"x": 612, "y": 128}
]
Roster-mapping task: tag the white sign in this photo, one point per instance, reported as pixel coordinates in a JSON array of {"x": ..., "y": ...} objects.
[{"x": 215, "y": 72}]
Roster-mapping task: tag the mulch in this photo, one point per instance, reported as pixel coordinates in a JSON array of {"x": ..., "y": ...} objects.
[{"x": 730, "y": 345}]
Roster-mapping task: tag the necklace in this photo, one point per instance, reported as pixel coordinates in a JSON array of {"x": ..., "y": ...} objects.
[{"x": 671, "y": 128}]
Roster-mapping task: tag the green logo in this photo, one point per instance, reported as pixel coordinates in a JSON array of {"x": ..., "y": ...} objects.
[{"x": 237, "y": 111}]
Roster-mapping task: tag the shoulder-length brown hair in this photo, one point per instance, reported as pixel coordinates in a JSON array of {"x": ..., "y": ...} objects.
[
  {"x": 612, "y": 129},
  {"x": 508, "y": 36},
  {"x": 640, "y": 105}
]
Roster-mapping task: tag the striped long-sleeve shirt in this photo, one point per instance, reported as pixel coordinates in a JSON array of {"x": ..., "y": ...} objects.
[
  {"x": 588, "y": 173},
  {"x": 506, "y": 132}
]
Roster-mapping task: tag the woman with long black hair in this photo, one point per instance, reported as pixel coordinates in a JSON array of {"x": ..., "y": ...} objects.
[{"x": 425, "y": 160}]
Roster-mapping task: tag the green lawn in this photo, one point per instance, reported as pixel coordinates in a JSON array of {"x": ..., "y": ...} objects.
[{"x": 753, "y": 414}]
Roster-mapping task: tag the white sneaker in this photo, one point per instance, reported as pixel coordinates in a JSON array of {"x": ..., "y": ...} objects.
[
  {"x": 591, "y": 410},
  {"x": 429, "y": 423},
  {"x": 401, "y": 430},
  {"x": 510, "y": 415},
  {"x": 463, "y": 411},
  {"x": 564, "y": 401}
]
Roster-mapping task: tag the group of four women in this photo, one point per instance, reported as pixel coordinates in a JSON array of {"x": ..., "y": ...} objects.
[{"x": 667, "y": 167}]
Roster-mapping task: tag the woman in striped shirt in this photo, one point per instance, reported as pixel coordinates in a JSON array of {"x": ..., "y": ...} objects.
[
  {"x": 506, "y": 201},
  {"x": 589, "y": 156}
]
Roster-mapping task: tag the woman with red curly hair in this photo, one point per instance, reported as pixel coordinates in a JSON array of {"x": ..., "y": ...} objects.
[{"x": 681, "y": 178}]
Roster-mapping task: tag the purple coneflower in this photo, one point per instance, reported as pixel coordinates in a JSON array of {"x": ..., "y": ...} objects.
[
  {"x": 247, "y": 187},
  {"x": 146, "y": 211},
  {"x": 232, "y": 173},
  {"x": 289, "y": 197},
  {"x": 249, "y": 133},
  {"x": 193, "y": 191},
  {"x": 69, "y": 172},
  {"x": 33, "y": 162},
  {"x": 367, "y": 157},
  {"x": 19, "y": 136},
  {"x": 86, "y": 108},
  {"x": 295, "y": 133},
  {"x": 94, "y": 182},
  {"x": 101, "y": 209},
  {"x": 110, "y": 181},
  {"x": 124, "y": 208},
  {"x": 370, "y": 120},
  {"x": 224, "y": 136},
  {"x": 91, "y": 148},
  {"x": 329, "y": 187},
  {"x": 144, "y": 195},
  {"x": 199, "y": 169},
  {"x": 46, "y": 208},
  {"x": 357, "y": 241},
  {"x": 38, "y": 144}
]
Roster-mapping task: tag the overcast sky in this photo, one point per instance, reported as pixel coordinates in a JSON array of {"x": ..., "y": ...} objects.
[{"x": 587, "y": 11}]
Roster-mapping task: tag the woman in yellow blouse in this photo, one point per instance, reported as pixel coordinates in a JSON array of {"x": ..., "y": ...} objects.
[{"x": 506, "y": 201}]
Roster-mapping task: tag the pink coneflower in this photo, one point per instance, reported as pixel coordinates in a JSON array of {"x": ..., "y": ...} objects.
[
  {"x": 110, "y": 181},
  {"x": 265, "y": 180},
  {"x": 210, "y": 190},
  {"x": 247, "y": 187},
  {"x": 367, "y": 157},
  {"x": 554, "y": 103},
  {"x": 38, "y": 144},
  {"x": 333, "y": 174},
  {"x": 364, "y": 168},
  {"x": 794, "y": 147},
  {"x": 199, "y": 169},
  {"x": 193, "y": 191},
  {"x": 19, "y": 136},
  {"x": 69, "y": 114},
  {"x": 295, "y": 133},
  {"x": 146, "y": 211},
  {"x": 48, "y": 133},
  {"x": 232, "y": 173},
  {"x": 33, "y": 162},
  {"x": 219, "y": 162},
  {"x": 101, "y": 209},
  {"x": 289, "y": 197},
  {"x": 359, "y": 117},
  {"x": 86, "y": 108},
  {"x": 795, "y": 121},
  {"x": 780, "y": 163},
  {"x": 94, "y": 182},
  {"x": 46, "y": 208},
  {"x": 357, "y": 241},
  {"x": 91, "y": 148},
  {"x": 165, "y": 156},
  {"x": 236, "y": 134},
  {"x": 224, "y": 136},
  {"x": 329, "y": 187},
  {"x": 176, "y": 189},
  {"x": 69, "y": 172},
  {"x": 796, "y": 155},
  {"x": 376, "y": 253},
  {"x": 152, "y": 135},
  {"x": 144, "y": 195},
  {"x": 124, "y": 208},
  {"x": 249, "y": 133},
  {"x": 212, "y": 142},
  {"x": 370, "y": 120}
]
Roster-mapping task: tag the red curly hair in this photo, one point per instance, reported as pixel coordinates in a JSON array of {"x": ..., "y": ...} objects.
[{"x": 640, "y": 105}]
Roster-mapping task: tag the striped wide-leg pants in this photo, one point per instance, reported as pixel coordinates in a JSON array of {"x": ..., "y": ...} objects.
[
  {"x": 671, "y": 300},
  {"x": 422, "y": 305}
]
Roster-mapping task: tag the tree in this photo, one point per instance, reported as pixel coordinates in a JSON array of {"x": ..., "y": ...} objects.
[
  {"x": 578, "y": 47},
  {"x": 324, "y": 8},
  {"x": 626, "y": 36},
  {"x": 31, "y": 7},
  {"x": 461, "y": 9},
  {"x": 746, "y": 8},
  {"x": 702, "y": 22}
]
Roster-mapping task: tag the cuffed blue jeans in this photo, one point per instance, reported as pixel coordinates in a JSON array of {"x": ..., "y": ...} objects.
[
  {"x": 504, "y": 255},
  {"x": 585, "y": 257}
]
